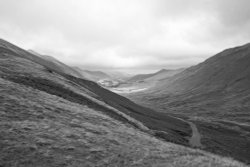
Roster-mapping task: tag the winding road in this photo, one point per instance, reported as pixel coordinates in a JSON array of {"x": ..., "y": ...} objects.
[{"x": 195, "y": 139}]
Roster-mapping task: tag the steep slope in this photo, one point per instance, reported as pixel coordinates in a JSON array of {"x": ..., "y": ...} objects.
[
  {"x": 40, "y": 129},
  {"x": 53, "y": 63},
  {"x": 228, "y": 70},
  {"x": 49, "y": 118},
  {"x": 215, "y": 94},
  {"x": 222, "y": 82},
  {"x": 178, "y": 130}
]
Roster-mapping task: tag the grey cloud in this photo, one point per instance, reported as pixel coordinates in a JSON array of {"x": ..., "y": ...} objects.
[
  {"x": 233, "y": 13},
  {"x": 126, "y": 34}
]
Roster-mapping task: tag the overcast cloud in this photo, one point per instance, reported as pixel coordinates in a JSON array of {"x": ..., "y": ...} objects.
[{"x": 129, "y": 34}]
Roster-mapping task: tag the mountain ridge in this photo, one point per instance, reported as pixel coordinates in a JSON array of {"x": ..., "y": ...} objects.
[
  {"x": 222, "y": 69},
  {"x": 141, "y": 77},
  {"x": 215, "y": 95},
  {"x": 92, "y": 75},
  {"x": 51, "y": 118}
]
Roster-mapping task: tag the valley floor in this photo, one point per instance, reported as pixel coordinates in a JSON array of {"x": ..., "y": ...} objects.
[
  {"x": 39, "y": 129},
  {"x": 50, "y": 118},
  {"x": 224, "y": 137}
]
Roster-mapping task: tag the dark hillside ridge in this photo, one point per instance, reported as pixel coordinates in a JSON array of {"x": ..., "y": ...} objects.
[
  {"x": 153, "y": 120},
  {"x": 212, "y": 93},
  {"x": 51, "y": 118},
  {"x": 177, "y": 130},
  {"x": 50, "y": 65},
  {"x": 228, "y": 70},
  {"x": 216, "y": 88}
]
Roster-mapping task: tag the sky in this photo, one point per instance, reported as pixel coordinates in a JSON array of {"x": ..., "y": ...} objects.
[{"x": 130, "y": 35}]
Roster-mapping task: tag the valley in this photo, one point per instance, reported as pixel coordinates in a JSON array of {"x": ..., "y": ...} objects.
[
  {"x": 52, "y": 118},
  {"x": 138, "y": 83},
  {"x": 214, "y": 98}
]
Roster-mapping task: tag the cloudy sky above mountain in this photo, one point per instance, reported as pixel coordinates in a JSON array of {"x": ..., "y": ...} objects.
[{"x": 126, "y": 34}]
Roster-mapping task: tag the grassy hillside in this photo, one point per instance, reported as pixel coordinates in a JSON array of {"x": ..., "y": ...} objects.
[
  {"x": 40, "y": 129},
  {"x": 141, "y": 82},
  {"x": 157, "y": 76},
  {"x": 217, "y": 88},
  {"x": 215, "y": 94},
  {"x": 49, "y": 118}
]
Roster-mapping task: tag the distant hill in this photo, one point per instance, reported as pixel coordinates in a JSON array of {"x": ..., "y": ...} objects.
[
  {"x": 49, "y": 58},
  {"x": 157, "y": 76},
  {"x": 228, "y": 70},
  {"x": 92, "y": 75},
  {"x": 143, "y": 82},
  {"x": 50, "y": 62},
  {"x": 163, "y": 74},
  {"x": 219, "y": 87},
  {"x": 75, "y": 71},
  {"x": 140, "y": 77},
  {"x": 221, "y": 81},
  {"x": 215, "y": 94},
  {"x": 122, "y": 76}
]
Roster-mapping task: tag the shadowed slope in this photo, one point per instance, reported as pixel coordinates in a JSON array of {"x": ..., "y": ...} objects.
[
  {"x": 228, "y": 70},
  {"x": 216, "y": 95},
  {"x": 39, "y": 129},
  {"x": 52, "y": 81},
  {"x": 49, "y": 62},
  {"x": 49, "y": 118},
  {"x": 219, "y": 86}
]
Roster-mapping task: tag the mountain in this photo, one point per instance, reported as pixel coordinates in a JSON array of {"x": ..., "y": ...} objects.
[
  {"x": 140, "y": 77},
  {"x": 222, "y": 82},
  {"x": 163, "y": 74},
  {"x": 154, "y": 76},
  {"x": 99, "y": 74},
  {"x": 215, "y": 94},
  {"x": 51, "y": 63},
  {"x": 75, "y": 71},
  {"x": 228, "y": 70},
  {"x": 118, "y": 75},
  {"x": 99, "y": 77},
  {"x": 141, "y": 82},
  {"x": 92, "y": 75},
  {"x": 51, "y": 118}
]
